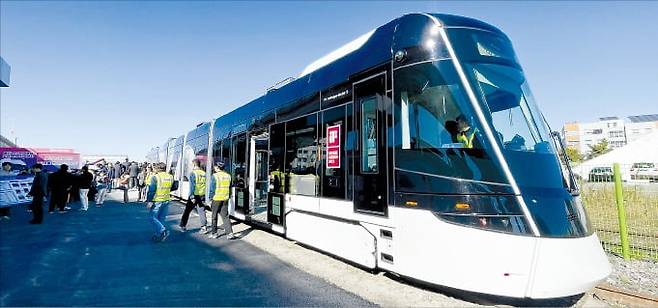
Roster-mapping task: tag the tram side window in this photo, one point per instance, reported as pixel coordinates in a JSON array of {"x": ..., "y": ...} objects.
[
  {"x": 174, "y": 163},
  {"x": 301, "y": 156},
  {"x": 277, "y": 151},
  {"x": 369, "y": 141},
  {"x": 201, "y": 151},
  {"x": 217, "y": 150},
  {"x": 333, "y": 176},
  {"x": 435, "y": 130},
  {"x": 239, "y": 163},
  {"x": 226, "y": 155}
]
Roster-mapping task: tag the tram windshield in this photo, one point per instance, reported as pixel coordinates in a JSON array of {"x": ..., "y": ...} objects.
[
  {"x": 520, "y": 130},
  {"x": 518, "y": 125}
]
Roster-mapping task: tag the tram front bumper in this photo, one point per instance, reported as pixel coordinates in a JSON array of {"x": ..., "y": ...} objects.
[{"x": 567, "y": 266}]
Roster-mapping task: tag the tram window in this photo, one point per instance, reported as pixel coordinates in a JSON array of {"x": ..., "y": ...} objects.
[
  {"x": 226, "y": 155},
  {"x": 196, "y": 148},
  {"x": 436, "y": 131},
  {"x": 239, "y": 163},
  {"x": 277, "y": 152},
  {"x": 175, "y": 167},
  {"x": 518, "y": 125},
  {"x": 333, "y": 177},
  {"x": 369, "y": 135},
  {"x": 217, "y": 150},
  {"x": 201, "y": 151},
  {"x": 174, "y": 164},
  {"x": 301, "y": 156}
]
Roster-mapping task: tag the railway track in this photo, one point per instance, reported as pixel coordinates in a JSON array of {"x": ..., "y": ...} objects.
[{"x": 611, "y": 294}]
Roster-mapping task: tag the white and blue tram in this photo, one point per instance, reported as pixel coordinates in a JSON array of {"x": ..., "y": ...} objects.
[{"x": 361, "y": 157}]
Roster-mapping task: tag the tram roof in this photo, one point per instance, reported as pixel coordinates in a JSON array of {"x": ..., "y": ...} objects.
[
  {"x": 199, "y": 130},
  {"x": 369, "y": 50}
]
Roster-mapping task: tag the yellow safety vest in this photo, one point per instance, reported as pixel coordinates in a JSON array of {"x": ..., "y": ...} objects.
[
  {"x": 292, "y": 178},
  {"x": 147, "y": 179},
  {"x": 199, "y": 182},
  {"x": 465, "y": 139},
  {"x": 222, "y": 186},
  {"x": 278, "y": 174},
  {"x": 163, "y": 187}
]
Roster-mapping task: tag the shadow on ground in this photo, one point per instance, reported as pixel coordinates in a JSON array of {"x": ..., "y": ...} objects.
[{"x": 104, "y": 257}]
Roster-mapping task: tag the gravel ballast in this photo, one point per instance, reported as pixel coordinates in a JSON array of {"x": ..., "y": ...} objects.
[{"x": 640, "y": 276}]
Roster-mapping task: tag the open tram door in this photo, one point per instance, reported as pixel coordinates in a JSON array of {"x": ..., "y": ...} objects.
[
  {"x": 370, "y": 159},
  {"x": 258, "y": 179},
  {"x": 265, "y": 205},
  {"x": 238, "y": 182}
]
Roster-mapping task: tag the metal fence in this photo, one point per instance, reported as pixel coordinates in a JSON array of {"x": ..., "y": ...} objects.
[{"x": 624, "y": 213}]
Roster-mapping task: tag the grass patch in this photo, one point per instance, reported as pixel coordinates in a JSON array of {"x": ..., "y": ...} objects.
[{"x": 641, "y": 217}]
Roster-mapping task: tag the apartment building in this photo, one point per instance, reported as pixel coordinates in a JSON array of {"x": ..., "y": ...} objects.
[
  {"x": 617, "y": 131},
  {"x": 640, "y": 126}
]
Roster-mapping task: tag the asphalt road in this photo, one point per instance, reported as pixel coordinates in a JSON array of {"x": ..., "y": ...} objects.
[{"x": 105, "y": 257}]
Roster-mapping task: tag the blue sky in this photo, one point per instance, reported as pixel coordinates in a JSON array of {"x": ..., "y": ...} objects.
[{"x": 120, "y": 77}]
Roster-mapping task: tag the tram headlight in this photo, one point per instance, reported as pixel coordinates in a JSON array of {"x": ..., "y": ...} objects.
[{"x": 495, "y": 213}]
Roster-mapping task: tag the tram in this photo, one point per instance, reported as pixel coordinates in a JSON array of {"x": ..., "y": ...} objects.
[{"x": 416, "y": 149}]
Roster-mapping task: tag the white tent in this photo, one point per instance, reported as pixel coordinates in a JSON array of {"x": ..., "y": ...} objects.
[{"x": 643, "y": 150}]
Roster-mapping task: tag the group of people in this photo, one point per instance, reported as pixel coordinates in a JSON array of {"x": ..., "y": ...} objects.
[
  {"x": 153, "y": 183},
  {"x": 158, "y": 198},
  {"x": 63, "y": 187},
  {"x": 127, "y": 176}
]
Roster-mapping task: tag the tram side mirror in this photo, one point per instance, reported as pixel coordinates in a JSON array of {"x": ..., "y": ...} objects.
[{"x": 557, "y": 137}]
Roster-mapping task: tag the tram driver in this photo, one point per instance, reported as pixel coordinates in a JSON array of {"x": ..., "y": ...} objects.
[{"x": 465, "y": 133}]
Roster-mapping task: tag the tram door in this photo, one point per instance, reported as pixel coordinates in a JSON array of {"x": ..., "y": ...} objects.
[
  {"x": 370, "y": 189},
  {"x": 258, "y": 175},
  {"x": 239, "y": 165}
]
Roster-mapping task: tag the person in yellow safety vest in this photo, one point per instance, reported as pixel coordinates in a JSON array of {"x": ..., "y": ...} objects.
[
  {"x": 465, "y": 134},
  {"x": 196, "y": 198},
  {"x": 157, "y": 199},
  {"x": 277, "y": 180},
  {"x": 220, "y": 188}
]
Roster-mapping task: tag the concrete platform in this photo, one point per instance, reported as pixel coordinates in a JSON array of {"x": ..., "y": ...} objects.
[{"x": 104, "y": 257}]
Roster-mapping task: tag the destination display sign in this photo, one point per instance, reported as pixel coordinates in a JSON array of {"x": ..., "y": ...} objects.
[{"x": 337, "y": 96}]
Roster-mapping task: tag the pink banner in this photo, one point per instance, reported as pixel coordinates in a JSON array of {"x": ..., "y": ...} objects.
[{"x": 333, "y": 146}]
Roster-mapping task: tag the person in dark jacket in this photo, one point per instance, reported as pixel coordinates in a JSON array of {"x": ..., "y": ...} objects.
[
  {"x": 84, "y": 183},
  {"x": 110, "y": 177},
  {"x": 133, "y": 170},
  {"x": 125, "y": 165},
  {"x": 38, "y": 192},
  {"x": 59, "y": 184}
]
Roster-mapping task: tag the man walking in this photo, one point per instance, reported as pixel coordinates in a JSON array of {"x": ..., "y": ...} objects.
[
  {"x": 38, "y": 192},
  {"x": 85, "y": 180},
  {"x": 196, "y": 198},
  {"x": 158, "y": 201},
  {"x": 102, "y": 187},
  {"x": 59, "y": 184},
  {"x": 219, "y": 193}
]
